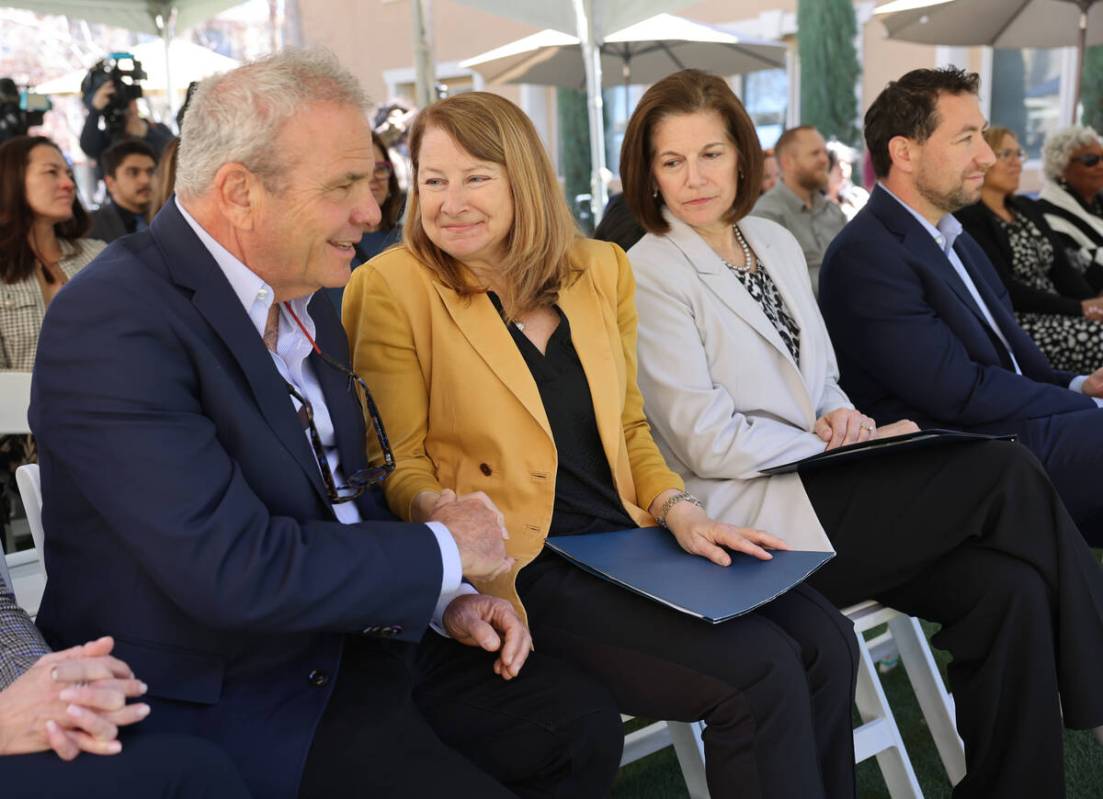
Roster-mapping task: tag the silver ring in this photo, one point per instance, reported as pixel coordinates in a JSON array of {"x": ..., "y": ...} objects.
[{"x": 867, "y": 427}]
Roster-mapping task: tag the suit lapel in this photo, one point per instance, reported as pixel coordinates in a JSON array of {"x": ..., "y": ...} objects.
[
  {"x": 481, "y": 325},
  {"x": 194, "y": 268},
  {"x": 726, "y": 286},
  {"x": 921, "y": 246}
]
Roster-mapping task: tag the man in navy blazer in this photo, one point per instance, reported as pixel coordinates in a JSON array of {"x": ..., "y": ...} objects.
[
  {"x": 202, "y": 449},
  {"x": 920, "y": 320}
]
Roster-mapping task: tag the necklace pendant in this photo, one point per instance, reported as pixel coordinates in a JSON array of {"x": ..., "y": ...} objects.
[{"x": 520, "y": 326}]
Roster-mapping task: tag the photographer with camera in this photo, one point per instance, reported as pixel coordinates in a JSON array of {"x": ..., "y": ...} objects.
[
  {"x": 111, "y": 91},
  {"x": 19, "y": 111}
]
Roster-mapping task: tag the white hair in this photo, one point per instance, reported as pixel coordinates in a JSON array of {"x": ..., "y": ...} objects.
[
  {"x": 237, "y": 117},
  {"x": 1060, "y": 146}
]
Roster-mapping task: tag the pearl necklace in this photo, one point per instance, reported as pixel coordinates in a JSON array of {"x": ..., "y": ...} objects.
[{"x": 749, "y": 260}]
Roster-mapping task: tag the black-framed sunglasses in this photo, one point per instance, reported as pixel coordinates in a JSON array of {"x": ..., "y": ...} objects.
[
  {"x": 1088, "y": 160},
  {"x": 363, "y": 479}
]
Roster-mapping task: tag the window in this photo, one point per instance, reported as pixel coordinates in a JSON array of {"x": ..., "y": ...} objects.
[
  {"x": 766, "y": 97},
  {"x": 1026, "y": 94}
]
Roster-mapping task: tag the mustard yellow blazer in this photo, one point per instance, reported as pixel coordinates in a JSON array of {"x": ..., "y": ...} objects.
[{"x": 462, "y": 410}]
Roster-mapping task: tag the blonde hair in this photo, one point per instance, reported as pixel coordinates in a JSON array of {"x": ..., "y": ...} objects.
[
  {"x": 536, "y": 266},
  {"x": 995, "y": 134}
]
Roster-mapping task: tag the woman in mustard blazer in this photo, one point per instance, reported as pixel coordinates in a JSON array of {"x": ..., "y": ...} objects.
[{"x": 501, "y": 349}]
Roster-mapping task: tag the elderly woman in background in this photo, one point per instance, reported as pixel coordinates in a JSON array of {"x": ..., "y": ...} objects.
[
  {"x": 1070, "y": 199},
  {"x": 502, "y": 350},
  {"x": 739, "y": 375},
  {"x": 1056, "y": 303}
]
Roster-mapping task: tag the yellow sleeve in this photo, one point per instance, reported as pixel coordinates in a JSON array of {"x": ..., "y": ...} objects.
[
  {"x": 384, "y": 352},
  {"x": 649, "y": 471}
]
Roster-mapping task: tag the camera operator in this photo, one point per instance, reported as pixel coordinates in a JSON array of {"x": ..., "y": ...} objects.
[
  {"x": 128, "y": 168},
  {"x": 94, "y": 139},
  {"x": 19, "y": 111}
]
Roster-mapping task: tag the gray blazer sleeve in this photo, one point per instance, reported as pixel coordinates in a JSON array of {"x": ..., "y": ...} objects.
[{"x": 21, "y": 644}]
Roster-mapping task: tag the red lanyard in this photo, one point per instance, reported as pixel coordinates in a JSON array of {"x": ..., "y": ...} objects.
[{"x": 302, "y": 327}]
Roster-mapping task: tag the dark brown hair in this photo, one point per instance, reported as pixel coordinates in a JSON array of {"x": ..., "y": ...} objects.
[
  {"x": 17, "y": 259},
  {"x": 687, "y": 92},
  {"x": 537, "y": 265},
  {"x": 391, "y": 209},
  {"x": 908, "y": 107},
  {"x": 118, "y": 152}
]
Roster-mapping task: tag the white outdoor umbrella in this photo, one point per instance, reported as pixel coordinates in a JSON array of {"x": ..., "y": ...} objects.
[
  {"x": 589, "y": 20},
  {"x": 641, "y": 53},
  {"x": 998, "y": 23},
  {"x": 187, "y": 62}
]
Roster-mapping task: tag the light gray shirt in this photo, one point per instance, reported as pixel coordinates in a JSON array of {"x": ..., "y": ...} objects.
[{"x": 813, "y": 227}]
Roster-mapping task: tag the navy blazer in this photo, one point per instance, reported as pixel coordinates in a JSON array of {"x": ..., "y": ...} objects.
[
  {"x": 185, "y": 510},
  {"x": 911, "y": 341}
]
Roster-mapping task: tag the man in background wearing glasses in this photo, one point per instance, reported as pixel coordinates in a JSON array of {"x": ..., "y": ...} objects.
[{"x": 208, "y": 501}]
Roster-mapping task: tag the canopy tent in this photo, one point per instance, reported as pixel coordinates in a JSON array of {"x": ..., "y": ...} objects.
[
  {"x": 187, "y": 62},
  {"x": 998, "y": 23},
  {"x": 590, "y": 21},
  {"x": 159, "y": 17}
]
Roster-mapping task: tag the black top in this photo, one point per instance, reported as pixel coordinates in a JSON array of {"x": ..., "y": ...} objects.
[
  {"x": 586, "y": 500},
  {"x": 1072, "y": 284}
]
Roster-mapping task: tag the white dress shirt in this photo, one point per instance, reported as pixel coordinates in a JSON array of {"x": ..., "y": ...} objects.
[{"x": 290, "y": 358}]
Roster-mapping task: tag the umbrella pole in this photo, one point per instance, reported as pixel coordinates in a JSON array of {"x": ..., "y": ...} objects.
[
  {"x": 1081, "y": 46},
  {"x": 591, "y": 55}
]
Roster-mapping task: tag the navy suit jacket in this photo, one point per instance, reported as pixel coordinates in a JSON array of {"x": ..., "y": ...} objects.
[
  {"x": 910, "y": 339},
  {"x": 186, "y": 514}
]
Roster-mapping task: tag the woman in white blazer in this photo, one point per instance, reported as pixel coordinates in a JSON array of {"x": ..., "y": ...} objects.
[{"x": 738, "y": 375}]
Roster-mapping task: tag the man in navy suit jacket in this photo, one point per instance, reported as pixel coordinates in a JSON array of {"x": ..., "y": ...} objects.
[
  {"x": 920, "y": 320},
  {"x": 200, "y": 445}
]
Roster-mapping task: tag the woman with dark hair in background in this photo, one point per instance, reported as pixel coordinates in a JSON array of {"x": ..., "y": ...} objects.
[
  {"x": 391, "y": 201},
  {"x": 1055, "y": 302},
  {"x": 41, "y": 224}
]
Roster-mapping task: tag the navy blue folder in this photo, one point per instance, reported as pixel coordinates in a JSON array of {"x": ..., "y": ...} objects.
[{"x": 649, "y": 562}]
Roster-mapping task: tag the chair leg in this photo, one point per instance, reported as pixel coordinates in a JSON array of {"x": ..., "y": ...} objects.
[
  {"x": 691, "y": 756},
  {"x": 879, "y": 734},
  {"x": 937, "y": 705}
]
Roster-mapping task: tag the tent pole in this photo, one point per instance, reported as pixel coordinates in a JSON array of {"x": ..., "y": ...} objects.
[{"x": 591, "y": 55}]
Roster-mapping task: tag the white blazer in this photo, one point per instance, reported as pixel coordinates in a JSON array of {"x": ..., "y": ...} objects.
[{"x": 723, "y": 394}]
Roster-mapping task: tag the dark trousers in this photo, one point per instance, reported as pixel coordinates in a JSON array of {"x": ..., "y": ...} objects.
[
  {"x": 775, "y": 686},
  {"x": 435, "y": 721},
  {"x": 975, "y": 537},
  {"x": 153, "y": 766},
  {"x": 1070, "y": 446}
]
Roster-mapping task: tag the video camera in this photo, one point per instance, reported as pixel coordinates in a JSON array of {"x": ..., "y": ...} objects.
[
  {"x": 20, "y": 110},
  {"x": 126, "y": 73}
]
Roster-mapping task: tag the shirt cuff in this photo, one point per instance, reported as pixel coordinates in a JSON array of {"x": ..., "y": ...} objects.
[
  {"x": 1077, "y": 385},
  {"x": 451, "y": 583}
]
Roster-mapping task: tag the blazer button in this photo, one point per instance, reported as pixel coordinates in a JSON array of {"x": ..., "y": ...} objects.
[
  {"x": 390, "y": 631},
  {"x": 485, "y": 469},
  {"x": 318, "y": 678}
]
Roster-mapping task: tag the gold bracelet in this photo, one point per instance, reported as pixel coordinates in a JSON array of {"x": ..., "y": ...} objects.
[{"x": 681, "y": 496}]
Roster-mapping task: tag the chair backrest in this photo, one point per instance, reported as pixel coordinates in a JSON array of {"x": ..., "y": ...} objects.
[
  {"x": 30, "y": 491},
  {"x": 15, "y": 398}
]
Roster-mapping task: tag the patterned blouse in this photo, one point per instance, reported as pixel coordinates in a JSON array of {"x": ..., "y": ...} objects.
[
  {"x": 20, "y": 642},
  {"x": 764, "y": 291},
  {"x": 1031, "y": 253}
]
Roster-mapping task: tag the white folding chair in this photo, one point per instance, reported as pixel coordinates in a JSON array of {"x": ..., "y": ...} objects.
[
  {"x": 15, "y": 398},
  {"x": 878, "y": 735},
  {"x": 30, "y": 492}
]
